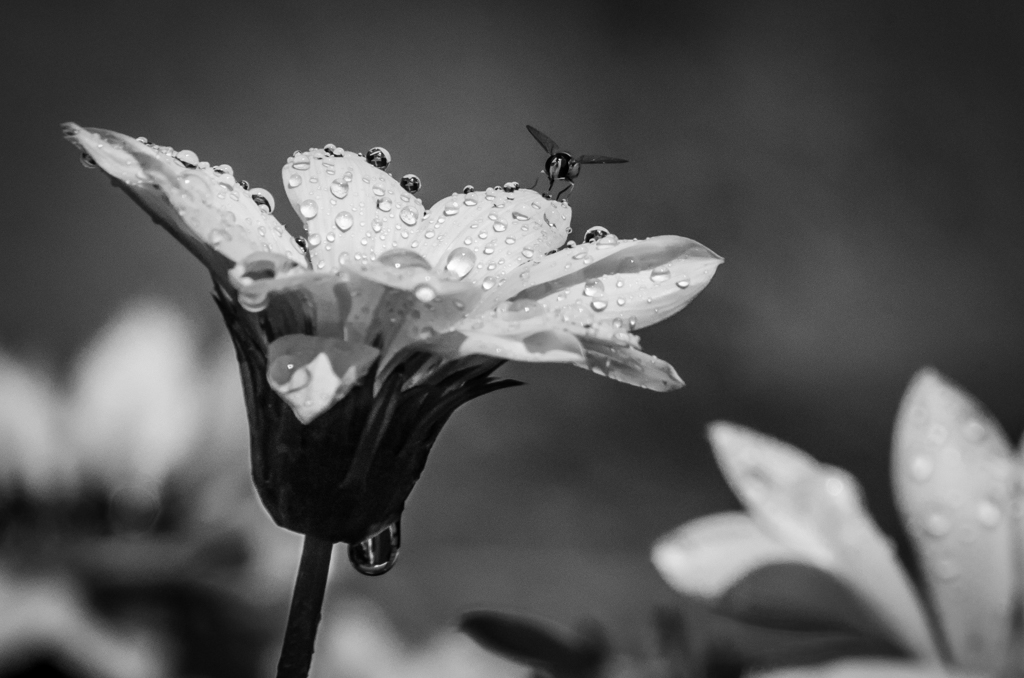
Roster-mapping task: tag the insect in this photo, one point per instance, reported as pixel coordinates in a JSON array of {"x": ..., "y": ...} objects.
[{"x": 562, "y": 164}]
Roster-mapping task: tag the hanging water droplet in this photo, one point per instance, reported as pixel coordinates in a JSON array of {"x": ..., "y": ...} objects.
[
  {"x": 384, "y": 204},
  {"x": 460, "y": 262},
  {"x": 683, "y": 282},
  {"x": 660, "y": 274},
  {"x": 451, "y": 208},
  {"x": 488, "y": 283},
  {"x": 376, "y": 555},
  {"x": 263, "y": 199},
  {"x": 339, "y": 189},
  {"x": 343, "y": 221},
  {"x": 294, "y": 180},
  {"x": 411, "y": 183},
  {"x": 988, "y": 513},
  {"x": 408, "y": 216},
  {"x": 921, "y": 468},
  {"x": 187, "y": 158},
  {"x": 425, "y": 293},
  {"x": 87, "y": 161},
  {"x": 378, "y": 157},
  {"x": 937, "y": 524},
  {"x": 599, "y": 304},
  {"x": 308, "y": 209},
  {"x": 400, "y": 258},
  {"x": 595, "y": 233},
  {"x": 592, "y": 288}
]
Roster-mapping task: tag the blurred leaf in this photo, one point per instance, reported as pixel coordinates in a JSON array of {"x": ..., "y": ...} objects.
[{"x": 538, "y": 644}]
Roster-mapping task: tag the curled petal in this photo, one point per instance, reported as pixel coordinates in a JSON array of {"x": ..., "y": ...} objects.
[
  {"x": 313, "y": 373},
  {"x": 953, "y": 478},
  {"x": 482, "y": 236},
  {"x": 352, "y": 210},
  {"x": 622, "y": 362},
  {"x": 816, "y": 510},
  {"x": 206, "y": 209},
  {"x": 635, "y": 282},
  {"x": 707, "y": 556}
]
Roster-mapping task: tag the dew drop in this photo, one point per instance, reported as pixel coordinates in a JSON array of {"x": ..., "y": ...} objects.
[
  {"x": 411, "y": 183},
  {"x": 400, "y": 258},
  {"x": 187, "y": 158},
  {"x": 921, "y": 468},
  {"x": 460, "y": 262},
  {"x": 988, "y": 513},
  {"x": 379, "y": 157},
  {"x": 499, "y": 225},
  {"x": 519, "y": 216},
  {"x": 683, "y": 282},
  {"x": 937, "y": 524},
  {"x": 974, "y": 431},
  {"x": 343, "y": 221},
  {"x": 294, "y": 180},
  {"x": 408, "y": 216},
  {"x": 510, "y": 186},
  {"x": 314, "y": 239},
  {"x": 425, "y": 293},
  {"x": 263, "y": 198},
  {"x": 384, "y": 204},
  {"x": 660, "y": 274},
  {"x": 488, "y": 283},
  {"x": 595, "y": 233},
  {"x": 598, "y": 304},
  {"x": 592, "y": 288},
  {"x": 217, "y": 236},
  {"x": 376, "y": 555},
  {"x": 451, "y": 208},
  {"x": 308, "y": 209},
  {"x": 339, "y": 189}
]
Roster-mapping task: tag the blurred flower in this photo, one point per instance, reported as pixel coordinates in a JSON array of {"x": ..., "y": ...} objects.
[
  {"x": 357, "y": 346},
  {"x": 805, "y": 575},
  {"x": 123, "y": 515}
]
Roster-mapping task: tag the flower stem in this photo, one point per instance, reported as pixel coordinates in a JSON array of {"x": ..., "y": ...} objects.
[{"x": 304, "y": 615}]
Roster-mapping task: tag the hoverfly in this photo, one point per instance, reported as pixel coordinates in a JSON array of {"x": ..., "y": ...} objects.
[{"x": 562, "y": 164}]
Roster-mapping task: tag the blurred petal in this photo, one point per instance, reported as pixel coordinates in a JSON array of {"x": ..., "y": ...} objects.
[
  {"x": 622, "y": 362},
  {"x": 353, "y": 211},
  {"x": 546, "y": 346},
  {"x": 482, "y": 236},
  {"x": 953, "y": 478},
  {"x": 866, "y": 668},
  {"x": 135, "y": 409},
  {"x": 32, "y": 452},
  {"x": 816, "y": 509},
  {"x": 634, "y": 283},
  {"x": 204, "y": 209},
  {"x": 313, "y": 373},
  {"x": 706, "y": 556}
]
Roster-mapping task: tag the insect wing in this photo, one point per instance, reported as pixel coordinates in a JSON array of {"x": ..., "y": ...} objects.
[
  {"x": 598, "y": 160},
  {"x": 544, "y": 140}
]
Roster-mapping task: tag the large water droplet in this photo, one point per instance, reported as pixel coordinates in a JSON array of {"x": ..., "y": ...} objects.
[
  {"x": 294, "y": 180},
  {"x": 451, "y": 208},
  {"x": 308, "y": 209},
  {"x": 343, "y": 221},
  {"x": 608, "y": 241},
  {"x": 599, "y": 304},
  {"x": 400, "y": 258},
  {"x": 592, "y": 288},
  {"x": 217, "y": 236},
  {"x": 460, "y": 262},
  {"x": 595, "y": 233},
  {"x": 425, "y": 293},
  {"x": 974, "y": 431},
  {"x": 376, "y": 555},
  {"x": 378, "y": 157},
  {"x": 384, "y": 204},
  {"x": 187, "y": 158},
  {"x": 339, "y": 189},
  {"x": 378, "y": 190},
  {"x": 408, "y": 216},
  {"x": 411, "y": 183},
  {"x": 660, "y": 274},
  {"x": 263, "y": 198}
]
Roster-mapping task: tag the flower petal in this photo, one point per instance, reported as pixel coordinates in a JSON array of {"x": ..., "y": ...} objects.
[
  {"x": 206, "y": 209},
  {"x": 953, "y": 479},
  {"x": 816, "y": 509},
  {"x": 352, "y": 211},
  {"x": 622, "y": 362},
  {"x": 636, "y": 283},
  {"x": 482, "y": 236},
  {"x": 865, "y": 668},
  {"x": 706, "y": 556},
  {"x": 545, "y": 346},
  {"x": 313, "y": 373}
]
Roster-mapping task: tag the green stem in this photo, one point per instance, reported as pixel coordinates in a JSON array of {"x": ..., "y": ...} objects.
[{"x": 304, "y": 615}]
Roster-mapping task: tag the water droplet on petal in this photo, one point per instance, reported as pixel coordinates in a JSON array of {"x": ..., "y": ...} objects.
[
  {"x": 608, "y": 241},
  {"x": 460, "y": 262},
  {"x": 937, "y": 524},
  {"x": 263, "y": 198},
  {"x": 599, "y": 304},
  {"x": 343, "y": 221},
  {"x": 499, "y": 225},
  {"x": 528, "y": 253},
  {"x": 660, "y": 274},
  {"x": 683, "y": 282},
  {"x": 384, "y": 204},
  {"x": 411, "y": 183},
  {"x": 314, "y": 240},
  {"x": 87, "y": 161},
  {"x": 339, "y": 189},
  {"x": 488, "y": 283},
  {"x": 592, "y": 288},
  {"x": 425, "y": 293},
  {"x": 510, "y": 186},
  {"x": 378, "y": 157},
  {"x": 294, "y": 180},
  {"x": 595, "y": 233},
  {"x": 187, "y": 158},
  {"x": 217, "y": 236},
  {"x": 400, "y": 258},
  {"x": 989, "y": 513},
  {"x": 408, "y": 216},
  {"x": 376, "y": 555},
  {"x": 451, "y": 208},
  {"x": 974, "y": 431},
  {"x": 308, "y": 209}
]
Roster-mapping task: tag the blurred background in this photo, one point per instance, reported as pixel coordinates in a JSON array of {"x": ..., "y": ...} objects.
[{"x": 858, "y": 165}]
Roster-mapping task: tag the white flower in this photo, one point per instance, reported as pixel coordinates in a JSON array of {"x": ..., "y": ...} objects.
[{"x": 957, "y": 484}]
